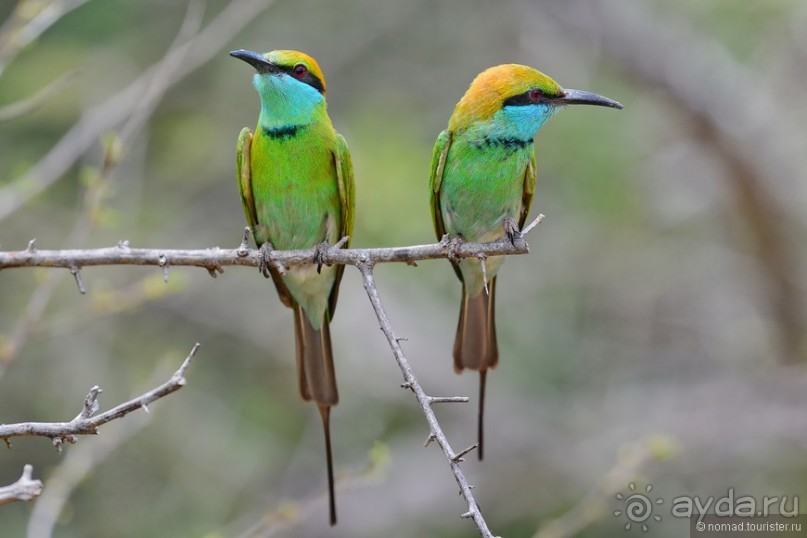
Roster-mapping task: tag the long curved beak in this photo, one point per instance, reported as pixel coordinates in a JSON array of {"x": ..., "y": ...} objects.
[
  {"x": 580, "y": 97},
  {"x": 261, "y": 64}
]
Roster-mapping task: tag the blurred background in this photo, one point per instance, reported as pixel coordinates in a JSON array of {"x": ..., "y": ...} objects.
[{"x": 654, "y": 335}]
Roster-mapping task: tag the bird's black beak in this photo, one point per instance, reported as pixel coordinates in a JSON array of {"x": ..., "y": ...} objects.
[
  {"x": 261, "y": 64},
  {"x": 580, "y": 97}
]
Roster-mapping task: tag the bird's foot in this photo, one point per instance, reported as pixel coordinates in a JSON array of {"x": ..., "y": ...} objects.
[
  {"x": 453, "y": 246},
  {"x": 319, "y": 255},
  {"x": 265, "y": 253},
  {"x": 512, "y": 231}
]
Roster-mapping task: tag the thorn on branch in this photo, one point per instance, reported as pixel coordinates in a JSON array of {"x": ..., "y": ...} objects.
[
  {"x": 163, "y": 261},
  {"x": 342, "y": 242},
  {"x": 179, "y": 375},
  {"x": 458, "y": 457},
  {"x": 31, "y": 248},
  {"x": 74, "y": 269},
  {"x": 91, "y": 404},
  {"x": 538, "y": 220},
  {"x": 467, "y": 515},
  {"x": 429, "y": 440},
  {"x": 406, "y": 385},
  {"x": 484, "y": 272},
  {"x": 243, "y": 248},
  {"x": 448, "y": 399},
  {"x": 8, "y": 443},
  {"x": 214, "y": 270},
  {"x": 123, "y": 244}
]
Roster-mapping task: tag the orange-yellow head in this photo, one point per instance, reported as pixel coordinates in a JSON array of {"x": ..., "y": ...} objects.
[{"x": 517, "y": 93}]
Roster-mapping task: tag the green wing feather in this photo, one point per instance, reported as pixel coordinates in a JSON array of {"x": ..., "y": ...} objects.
[
  {"x": 439, "y": 155},
  {"x": 347, "y": 206},
  {"x": 245, "y": 176},
  {"x": 244, "y": 171},
  {"x": 527, "y": 194},
  {"x": 441, "y": 147}
]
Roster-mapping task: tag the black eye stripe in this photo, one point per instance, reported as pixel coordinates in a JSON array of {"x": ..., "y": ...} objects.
[
  {"x": 309, "y": 78},
  {"x": 525, "y": 98}
]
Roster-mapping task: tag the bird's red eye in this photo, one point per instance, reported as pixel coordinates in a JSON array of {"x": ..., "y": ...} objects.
[
  {"x": 536, "y": 94},
  {"x": 300, "y": 70}
]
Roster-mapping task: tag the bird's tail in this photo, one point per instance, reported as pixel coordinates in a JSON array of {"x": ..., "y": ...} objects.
[
  {"x": 475, "y": 345},
  {"x": 317, "y": 380}
]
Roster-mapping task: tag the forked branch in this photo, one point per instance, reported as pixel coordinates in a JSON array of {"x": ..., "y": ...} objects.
[{"x": 87, "y": 422}]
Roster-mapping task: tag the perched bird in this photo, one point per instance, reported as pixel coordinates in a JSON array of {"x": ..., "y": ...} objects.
[
  {"x": 482, "y": 183},
  {"x": 296, "y": 181}
]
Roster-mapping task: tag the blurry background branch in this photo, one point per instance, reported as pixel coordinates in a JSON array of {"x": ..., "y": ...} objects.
[
  {"x": 30, "y": 104},
  {"x": 97, "y": 180},
  {"x": 631, "y": 461},
  {"x": 87, "y": 422},
  {"x": 24, "y": 489},
  {"x": 28, "y": 21},
  {"x": 182, "y": 60},
  {"x": 747, "y": 134}
]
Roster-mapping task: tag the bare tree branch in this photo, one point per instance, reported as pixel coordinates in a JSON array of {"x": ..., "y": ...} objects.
[
  {"x": 24, "y": 489},
  {"x": 215, "y": 259},
  {"x": 425, "y": 401},
  {"x": 87, "y": 424},
  {"x": 79, "y": 462}
]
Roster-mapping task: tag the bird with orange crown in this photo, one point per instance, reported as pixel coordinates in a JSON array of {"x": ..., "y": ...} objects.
[{"x": 482, "y": 184}]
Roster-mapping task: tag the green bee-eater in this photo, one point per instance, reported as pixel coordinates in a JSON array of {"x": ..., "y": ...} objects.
[
  {"x": 296, "y": 181},
  {"x": 482, "y": 183}
]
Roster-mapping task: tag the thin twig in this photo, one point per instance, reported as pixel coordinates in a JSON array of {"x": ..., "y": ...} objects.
[
  {"x": 24, "y": 489},
  {"x": 598, "y": 501},
  {"x": 436, "y": 431},
  {"x": 30, "y": 104},
  {"x": 87, "y": 424}
]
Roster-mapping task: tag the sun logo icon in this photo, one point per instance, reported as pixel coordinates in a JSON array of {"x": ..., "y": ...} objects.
[{"x": 638, "y": 507}]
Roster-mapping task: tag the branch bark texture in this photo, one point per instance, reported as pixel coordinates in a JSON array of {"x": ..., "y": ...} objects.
[{"x": 215, "y": 259}]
